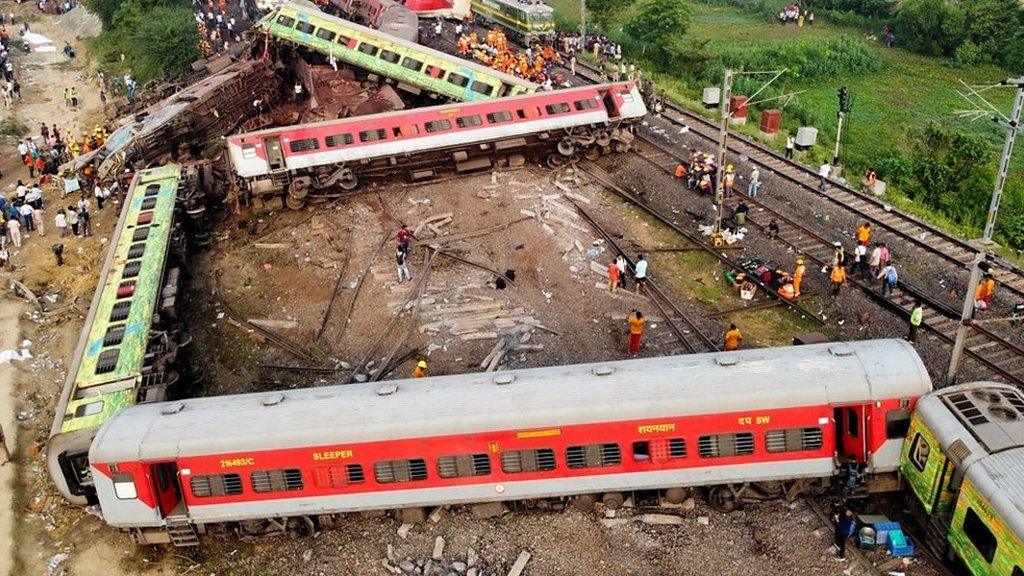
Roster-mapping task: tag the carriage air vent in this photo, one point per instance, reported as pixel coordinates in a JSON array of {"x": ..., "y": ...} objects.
[
  {"x": 967, "y": 409},
  {"x": 1002, "y": 413},
  {"x": 172, "y": 408},
  {"x": 959, "y": 451},
  {"x": 726, "y": 360},
  {"x": 387, "y": 389},
  {"x": 1016, "y": 400},
  {"x": 840, "y": 350},
  {"x": 272, "y": 400},
  {"x": 602, "y": 370},
  {"x": 503, "y": 379},
  {"x": 987, "y": 396}
]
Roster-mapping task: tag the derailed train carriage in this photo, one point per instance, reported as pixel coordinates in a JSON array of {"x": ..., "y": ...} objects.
[
  {"x": 132, "y": 346},
  {"x": 747, "y": 425},
  {"x": 560, "y": 125}
]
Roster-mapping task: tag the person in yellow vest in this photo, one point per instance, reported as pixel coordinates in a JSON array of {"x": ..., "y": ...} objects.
[
  {"x": 420, "y": 370},
  {"x": 798, "y": 276}
]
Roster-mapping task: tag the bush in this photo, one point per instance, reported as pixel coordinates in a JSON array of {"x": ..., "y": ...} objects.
[
  {"x": 805, "y": 58},
  {"x": 12, "y": 126},
  {"x": 931, "y": 27},
  {"x": 967, "y": 54}
]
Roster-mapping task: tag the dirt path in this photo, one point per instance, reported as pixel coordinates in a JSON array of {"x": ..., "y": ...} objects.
[{"x": 10, "y": 337}]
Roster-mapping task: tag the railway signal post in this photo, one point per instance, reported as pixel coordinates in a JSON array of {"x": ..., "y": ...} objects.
[
  {"x": 985, "y": 243},
  {"x": 844, "y": 109}
]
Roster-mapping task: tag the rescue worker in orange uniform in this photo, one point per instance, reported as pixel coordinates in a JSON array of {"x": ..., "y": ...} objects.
[
  {"x": 864, "y": 234},
  {"x": 798, "y": 276},
  {"x": 837, "y": 278},
  {"x": 680, "y": 170},
  {"x": 733, "y": 338},
  {"x": 420, "y": 370}
]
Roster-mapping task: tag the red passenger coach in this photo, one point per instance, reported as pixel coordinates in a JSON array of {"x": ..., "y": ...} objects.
[
  {"x": 590, "y": 120},
  {"x": 778, "y": 420}
]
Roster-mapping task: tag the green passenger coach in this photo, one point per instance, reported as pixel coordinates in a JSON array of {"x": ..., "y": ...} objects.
[
  {"x": 414, "y": 67},
  {"x": 118, "y": 359},
  {"x": 963, "y": 460}
]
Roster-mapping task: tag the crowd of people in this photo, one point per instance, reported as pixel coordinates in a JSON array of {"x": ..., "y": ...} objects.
[
  {"x": 493, "y": 50},
  {"x": 792, "y": 14},
  {"x": 217, "y": 29}
]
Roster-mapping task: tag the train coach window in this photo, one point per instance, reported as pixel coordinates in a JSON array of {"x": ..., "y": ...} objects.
[
  {"x": 593, "y": 455},
  {"x": 676, "y": 448},
  {"x": 124, "y": 486},
  {"x": 285, "y": 480},
  {"x": 389, "y": 56},
  {"x": 286, "y": 21},
  {"x": 131, "y": 269},
  {"x": 90, "y": 409},
  {"x": 338, "y": 140},
  {"x": 216, "y": 485},
  {"x": 540, "y": 459},
  {"x": 919, "y": 451},
  {"x": 722, "y": 445},
  {"x": 981, "y": 537},
  {"x": 248, "y": 151},
  {"x": 344, "y": 41},
  {"x": 305, "y": 27},
  {"x": 499, "y": 117},
  {"x": 325, "y": 34},
  {"x": 304, "y": 145},
  {"x": 140, "y": 234},
  {"x": 1017, "y": 571},
  {"x": 481, "y": 87},
  {"x": 588, "y": 104},
  {"x": 897, "y": 422},
  {"x": 468, "y": 121},
  {"x": 438, "y": 126},
  {"x": 457, "y": 79},
  {"x": 557, "y": 108},
  {"x": 400, "y": 470},
  {"x": 369, "y": 49},
  {"x": 372, "y": 135},
  {"x": 120, "y": 311},
  {"x": 464, "y": 465},
  {"x": 107, "y": 362},
  {"x": 412, "y": 64},
  {"x": 338, "y": 476},
  {"x": 152, "y": 190},
  {"x": 793, "y": 439}
]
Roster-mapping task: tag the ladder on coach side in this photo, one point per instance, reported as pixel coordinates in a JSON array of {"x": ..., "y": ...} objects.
[{"x": 182, "y": 532}]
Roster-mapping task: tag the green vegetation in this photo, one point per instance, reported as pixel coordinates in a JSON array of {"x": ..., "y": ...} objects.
[
  {"x": 146, "y": 38},
  {"x": 903, "y": 122},
  {"x": 12, "y": 126}
]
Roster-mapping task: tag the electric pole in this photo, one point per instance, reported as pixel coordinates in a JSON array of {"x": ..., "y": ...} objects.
[
  {"x": 716, "y": 236},
  {"x": 985, "y": 243}
]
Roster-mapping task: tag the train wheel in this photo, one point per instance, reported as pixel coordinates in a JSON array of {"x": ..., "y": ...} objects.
[
  {"x": 566, "y": 147},
  {"x": 676, "y": 495},
  {"x": 584, "y": 502},
  {"x": 722, "y": 499},
  {"x": 299, "y": 188},
  {"x": 349, "y": 181},
  {"x": 613, "y": 500},
  {"x": 555, "y": 160},
  {"x": 294, "y": 203},
  {"x": 604, "y": 139},
  {"x": 592, "y": 153},
  {"x": 253, "y": 527}
]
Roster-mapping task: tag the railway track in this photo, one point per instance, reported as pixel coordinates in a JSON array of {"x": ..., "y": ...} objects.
[
  {"x": 992, "y": 350},
  {"x": 906, "y": 226},
  {"x": 613, "y": 184},
  {"x": 988, "y": 348}
]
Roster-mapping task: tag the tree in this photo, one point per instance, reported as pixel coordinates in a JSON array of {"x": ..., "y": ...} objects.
[
  {"x": 931, "y": 27},
  {"x": 602, "y": 11},
  {"x": 658, "y": 25},
  {"x": 991, "y": 24},
  {"x": 166, "y": 42},
  {"x": 104, "y": 9}
]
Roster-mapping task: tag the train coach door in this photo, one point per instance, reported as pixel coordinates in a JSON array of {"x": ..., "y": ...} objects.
[
  {"x": 166, "y": 488},
  {"x": 275, "y": 158},
  {"x": 851, "y": 432}
]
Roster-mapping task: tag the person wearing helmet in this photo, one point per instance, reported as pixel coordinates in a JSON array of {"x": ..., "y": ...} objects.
[
  {"x": 729, "y": 181},
  {"x": 420, "y": 370},
  {"x": 798, "y": 276}
]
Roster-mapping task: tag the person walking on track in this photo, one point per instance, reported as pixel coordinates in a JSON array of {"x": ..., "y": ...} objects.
[
  {"x": 636, "y": 322},
  {"x": 916, "y": 315}
]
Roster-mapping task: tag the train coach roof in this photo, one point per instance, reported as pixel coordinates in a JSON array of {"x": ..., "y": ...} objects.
[
  {"x": 840, "y": 373},
  {"x": 981, "y": 427}
]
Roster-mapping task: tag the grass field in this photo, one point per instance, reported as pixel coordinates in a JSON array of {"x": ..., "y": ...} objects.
[{"x": 905, "y": 92}]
